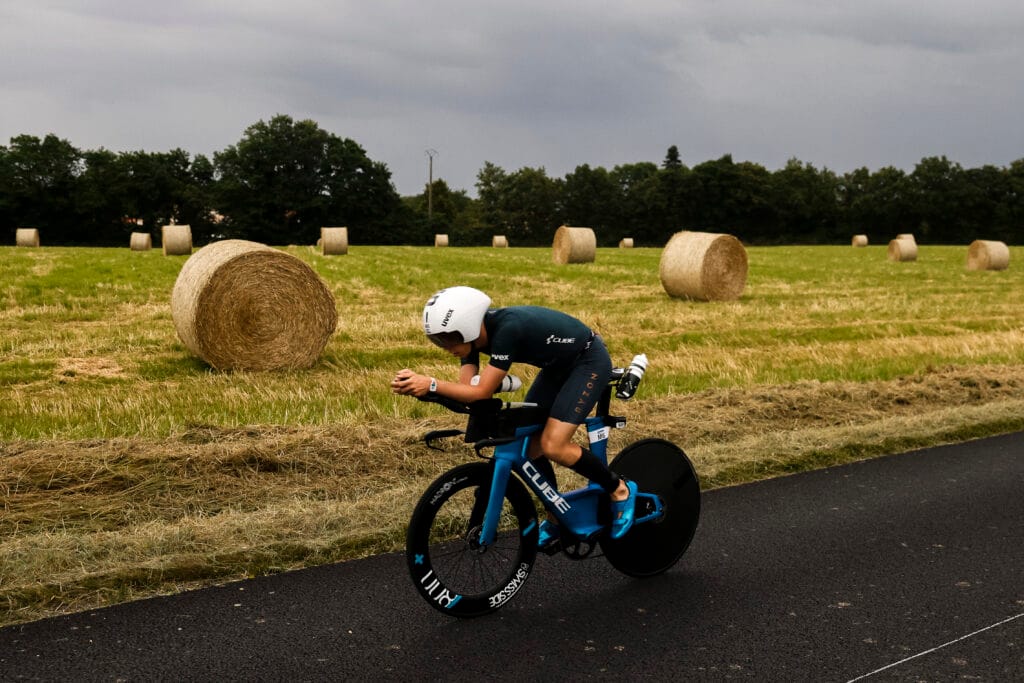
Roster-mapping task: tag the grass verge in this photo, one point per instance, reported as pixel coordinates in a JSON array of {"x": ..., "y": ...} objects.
[{"x": 128, "y": 468}]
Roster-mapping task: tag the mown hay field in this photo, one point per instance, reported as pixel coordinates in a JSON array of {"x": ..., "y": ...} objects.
[{"x": 128, "y": 467}]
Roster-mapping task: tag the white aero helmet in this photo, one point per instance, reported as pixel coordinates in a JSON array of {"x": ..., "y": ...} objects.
[{"x": 455, "y": 311}]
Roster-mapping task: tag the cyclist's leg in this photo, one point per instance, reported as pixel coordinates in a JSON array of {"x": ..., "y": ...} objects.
[
  {"x": 556, "y": 443},
  {"x": 576, "y": 396},
  {"x": 542, "y": 392}
]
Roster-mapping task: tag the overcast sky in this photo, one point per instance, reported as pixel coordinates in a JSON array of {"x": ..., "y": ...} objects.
[{"x": 528, "y": 83}]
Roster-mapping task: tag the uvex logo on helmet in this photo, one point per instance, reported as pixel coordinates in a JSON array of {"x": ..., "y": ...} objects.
[{"x": 447, "y": 317}]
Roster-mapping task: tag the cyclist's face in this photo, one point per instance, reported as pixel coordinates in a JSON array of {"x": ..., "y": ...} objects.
[{"x": 460, "y": 350}]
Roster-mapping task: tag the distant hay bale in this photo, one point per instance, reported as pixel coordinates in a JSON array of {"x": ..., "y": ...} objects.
[
  {"x": 626, "y": 243},
  {"x": 176, "y": 240},
  {"x": 499, "y": 241},
  {"x": 334, "y": 241},
  {"x": 902, "y": 250},
  {"x": 574, "y": 245},
  {"x": 26, "y": 237},
  {"x": 859, "y": 241},
  {"x": 140, "y": 241},
  {"x": 440, "y": 240},
  {"x": 241, "y": 305},
  {"x": 705, "y": 266},
  {"x": 907, "y": 236},
  {"x": 988, "y": 255}
]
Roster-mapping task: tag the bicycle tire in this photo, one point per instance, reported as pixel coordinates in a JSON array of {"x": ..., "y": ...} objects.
[
  {"x": 449, "y": 568},
  {"x": 662, "y": 468}
]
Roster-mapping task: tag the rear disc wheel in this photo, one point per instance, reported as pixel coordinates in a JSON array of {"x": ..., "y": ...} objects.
[{"x": 661, "y": 468}]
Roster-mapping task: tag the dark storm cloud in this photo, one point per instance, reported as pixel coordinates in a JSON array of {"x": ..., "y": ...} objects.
[{"x": 551, "y": 84}]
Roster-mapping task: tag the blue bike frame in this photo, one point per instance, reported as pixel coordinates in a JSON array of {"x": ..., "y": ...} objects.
[{"x": 577, "y": 510}]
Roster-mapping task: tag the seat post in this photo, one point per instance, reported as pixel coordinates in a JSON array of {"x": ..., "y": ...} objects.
[{"x": 604, "y": 403}]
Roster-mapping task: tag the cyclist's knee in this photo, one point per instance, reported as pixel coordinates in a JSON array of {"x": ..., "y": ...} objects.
[
  {"x": 534, "y": 450},
  {"x": 562, "y": 451}
]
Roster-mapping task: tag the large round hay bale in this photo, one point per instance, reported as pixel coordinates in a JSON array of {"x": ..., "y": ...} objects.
[
  {"x": 703, "y": 265},
  {"x": 140, "y": 241},
  {"x": 988, "y": 255},
  {"x": 26, "y": 237},
  {"x": 241, "y": 305},
  {"x": 440, "y": 240},
  {"x": 626, "y": 243},
  {"x": 859, "y": 241},
  {"x": 902, "y": 250},
  {"x": 176, "y": 240},
  {"x": 574, "y": 245},
  {"x": 333, "y": 241},
  {"x": 499, "y": 241}
]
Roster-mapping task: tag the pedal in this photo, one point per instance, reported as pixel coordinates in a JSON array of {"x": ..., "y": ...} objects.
[
  {"x": 552, "y": 548},
  {"x": 579, "y": 550}
]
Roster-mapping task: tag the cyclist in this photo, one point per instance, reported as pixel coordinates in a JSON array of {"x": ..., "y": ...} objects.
[{"x": 574, "y": 369}]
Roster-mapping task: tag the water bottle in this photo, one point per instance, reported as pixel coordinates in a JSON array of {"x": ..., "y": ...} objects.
[
  {"x": 631, "y": 379},
  {"x": 508, "y": 383}
]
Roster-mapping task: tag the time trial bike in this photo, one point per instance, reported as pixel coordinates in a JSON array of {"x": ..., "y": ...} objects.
[{"x": 472, "y": 537}]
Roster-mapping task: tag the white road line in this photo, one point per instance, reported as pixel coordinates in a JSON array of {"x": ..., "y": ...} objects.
[{"x": 939, "y": 647}]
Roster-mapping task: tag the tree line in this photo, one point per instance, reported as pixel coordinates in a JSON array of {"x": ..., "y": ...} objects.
[{"x": 285, "y": 179}]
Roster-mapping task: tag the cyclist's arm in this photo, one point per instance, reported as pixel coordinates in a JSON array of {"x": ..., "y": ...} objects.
[
  {"x": 490, "y": 380},
  {"x": 467, "y": 373},
  {"x": 413, "y": 384}
]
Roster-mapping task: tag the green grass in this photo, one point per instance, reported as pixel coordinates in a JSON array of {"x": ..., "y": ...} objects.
[
  {"x": 827, "y": 313},
  {"x": 128, "y": 466}
]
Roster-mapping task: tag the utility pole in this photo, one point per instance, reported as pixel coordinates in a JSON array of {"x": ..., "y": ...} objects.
[{"x": 431, "y": 153}]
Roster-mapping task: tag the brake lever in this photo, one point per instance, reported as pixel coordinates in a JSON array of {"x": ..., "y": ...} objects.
[
  {"x": 491, "y": 443},
  {"x": 437, "y": 434}
]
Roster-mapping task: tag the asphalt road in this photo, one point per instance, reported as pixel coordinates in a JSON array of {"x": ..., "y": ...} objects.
[{"x": 908, "y": 567}]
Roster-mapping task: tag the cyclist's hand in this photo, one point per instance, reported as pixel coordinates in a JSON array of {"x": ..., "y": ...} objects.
[{"x": 409, "y": 383}]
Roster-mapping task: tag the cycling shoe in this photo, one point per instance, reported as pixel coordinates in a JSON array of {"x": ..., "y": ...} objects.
[{"x": 623, "y": 512}]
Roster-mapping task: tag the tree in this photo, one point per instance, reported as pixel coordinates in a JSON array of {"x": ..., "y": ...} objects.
[
  {"x": 100, "y": 198},
  {"x": 196, "y": 201},
  {"x": 38, "y": 181},
  {"x": 285, "y": 180},
  {"x": 733, "y": 198},
  {"x": 531, "y": 205},
  {"x": 637, "y": 192},
  {"x": 876, "y": 204},
  {"x": 454, "y": 214},
  {"x": 851, "y": 189},
  {"x": 1011, "y": 209},
  {"x": 590, "y": 198},
  {"x": 804, "y": 202},
  {"x": 157, "y": 187},
  {"x": 984, "y": 191},
  {"x": 673, "y": 203},
  {"x": 491, "y": 183},
  {"x": 7, "y": 208},
  {"x": 936, "y": 193},
  {"x": 672, "y": 159}
]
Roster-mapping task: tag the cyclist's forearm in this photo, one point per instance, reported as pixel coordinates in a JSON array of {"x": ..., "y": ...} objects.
[
  {"x": 414, "y": 384},
  {"x": 467, "y": 372},
  {"x": 466, "y": 393}
]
